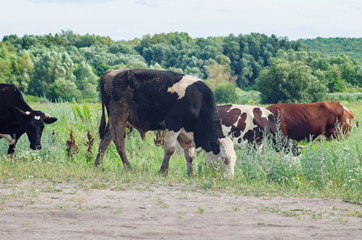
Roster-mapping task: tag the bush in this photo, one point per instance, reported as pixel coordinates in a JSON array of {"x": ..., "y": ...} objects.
[
  {"x": 225, "y": 93},
  {"x": 249, "y": 97},
  {"x": 32, "y": 99},
  {"x": 63, "y": 89},
  {"x": 288, "y": 81}
]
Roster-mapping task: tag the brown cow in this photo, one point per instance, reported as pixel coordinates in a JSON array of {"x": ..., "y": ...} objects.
[{"x": 302, "y": 120}]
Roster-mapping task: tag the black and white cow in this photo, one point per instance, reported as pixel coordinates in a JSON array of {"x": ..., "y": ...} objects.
[
  {"x": 152, "y": 100},
  {"x": 17, "y": 118},
  {"x": 245, "y": 123}
]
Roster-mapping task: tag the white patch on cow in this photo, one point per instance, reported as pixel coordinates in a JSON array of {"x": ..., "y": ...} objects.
[
  {"x": 37, "y": 118},
  {"x": 170, "y": 140},
  {"x": 27, "y": 113},
  {"x": 180, "y": 86},
  {"x": 249, "y": 117},
  {"x": 346, "y": 109},
  {"x": 349, "y": 120},
  {"x": 46, "y": 115},
  {"x": 226, "y": 130},
  {"x": 248, "y": 109},
  {"x": 8, "y": 138},
  {"x": 226, "y": 157}
]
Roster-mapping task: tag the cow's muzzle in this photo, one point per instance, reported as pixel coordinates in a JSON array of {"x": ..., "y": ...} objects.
[
  {"x": 35, "y": 147},
  {"x": 225, "y": 160}
]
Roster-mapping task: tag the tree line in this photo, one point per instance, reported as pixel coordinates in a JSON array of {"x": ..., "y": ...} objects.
[
  {"x": 351, "y": 47},
  {"x": 68, "y": 65}
]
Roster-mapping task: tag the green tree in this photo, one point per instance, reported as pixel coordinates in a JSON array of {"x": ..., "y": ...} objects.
[
  {"x": 335, "y": 81},
  {"x": 86, "y": 80},
  {"x": 102, "y": 68},
  {"x": 225, "y": 93},
  {"x": 217, "y": 74},
  {"x": 48, "y": 67},
  {"x": 5, "y": 64},
  {"x": 288, "y": 81},
  {"x": 23, "y": 70},
  {"x": 160, "y": 53},
  {"x": 15, "y": 68},
  {"x": 64, "y": 89}
]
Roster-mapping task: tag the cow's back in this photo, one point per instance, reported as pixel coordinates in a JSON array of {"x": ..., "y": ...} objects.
[
  {"x": 245, "y": 122},
  {"x": 10, "y": 97},
  {"x": 7, "y": 97},
  {"x": 151, "y": 97},
  {"x": 300, "y": 120}
]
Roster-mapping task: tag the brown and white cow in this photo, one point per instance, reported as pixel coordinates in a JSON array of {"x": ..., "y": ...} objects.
[
  {"x": 310, "y": 120},
  {"x": 152, "y": 100},
  {"x": 245, "y": 123},
  {"x": 347, "y": 121}
]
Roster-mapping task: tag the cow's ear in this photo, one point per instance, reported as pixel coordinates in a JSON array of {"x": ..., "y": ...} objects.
[
  {"x": 215, "y": 148},
  {"x": 49, "y": 120},
  {"x": 21, "y": 113}
]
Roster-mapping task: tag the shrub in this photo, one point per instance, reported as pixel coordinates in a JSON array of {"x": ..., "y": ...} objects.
[
  {"x": 225, "y": 93},
  {"x": 288, "y": 81},
  {"x": 63, "y": 88}
]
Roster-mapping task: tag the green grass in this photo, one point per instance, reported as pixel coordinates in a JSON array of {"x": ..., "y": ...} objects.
[
  {"x": 350, "y": 97},
  {"x": 327, "y": 169}
]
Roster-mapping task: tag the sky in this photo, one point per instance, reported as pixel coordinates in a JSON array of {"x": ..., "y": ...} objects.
[{"x": 129, "y": 19}]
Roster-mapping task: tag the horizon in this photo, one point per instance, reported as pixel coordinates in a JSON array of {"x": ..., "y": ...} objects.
[{"x": 92, "y": 34}]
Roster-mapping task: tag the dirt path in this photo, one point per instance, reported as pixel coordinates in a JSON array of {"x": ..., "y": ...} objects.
[{"x": 65, "y": 211}]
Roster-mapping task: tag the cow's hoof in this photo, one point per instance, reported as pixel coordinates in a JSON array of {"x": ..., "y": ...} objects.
[{"x": 164, "y": 172}]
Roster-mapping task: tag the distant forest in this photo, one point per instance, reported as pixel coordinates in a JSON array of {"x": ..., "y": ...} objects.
[
  {"x": 68, "y": 65},
  {"x": 351, "y": 47}
]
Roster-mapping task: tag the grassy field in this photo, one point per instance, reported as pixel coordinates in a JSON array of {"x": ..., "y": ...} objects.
[{"x": 327, "y": 169}]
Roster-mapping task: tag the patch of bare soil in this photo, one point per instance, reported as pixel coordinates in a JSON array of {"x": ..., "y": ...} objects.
[{"x": 65, "y": 211}]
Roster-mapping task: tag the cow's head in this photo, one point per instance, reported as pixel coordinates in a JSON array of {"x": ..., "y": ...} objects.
[
  {"x": 33, "y": 124},
  {"x": 347, "y": 121},
  {"x": 222, "y": 154},
  {"x": 296, "y": 150},
  {"x": 289, "y": 146}
]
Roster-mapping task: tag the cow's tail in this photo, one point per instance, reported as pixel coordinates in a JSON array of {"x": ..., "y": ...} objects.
[{"x": 102, "y": 125}]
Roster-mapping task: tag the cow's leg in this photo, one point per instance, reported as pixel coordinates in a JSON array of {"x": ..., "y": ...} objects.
[
  {"x": 104, "y": 144},
  {"x": 12, "y": 140},
  {"x": 319, "y": 137},
  {"x": 189, "y": 156},
  {"x": 11, "y": 150},
  {"x": 186, "y": 141},
  {"x": 169, "y": 147},
  {"x": 332, "y": 132},
  {"x": 119, "y": 127}
]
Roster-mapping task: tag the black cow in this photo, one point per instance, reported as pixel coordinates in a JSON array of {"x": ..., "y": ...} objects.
[
  {"x": 245, "y": 123},
  {"x": 17, "y": 118},
  {"x": 152, "y": 100}
]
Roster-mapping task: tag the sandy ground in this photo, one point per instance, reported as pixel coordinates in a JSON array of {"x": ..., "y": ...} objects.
[{"x": 66, "y": 211}]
